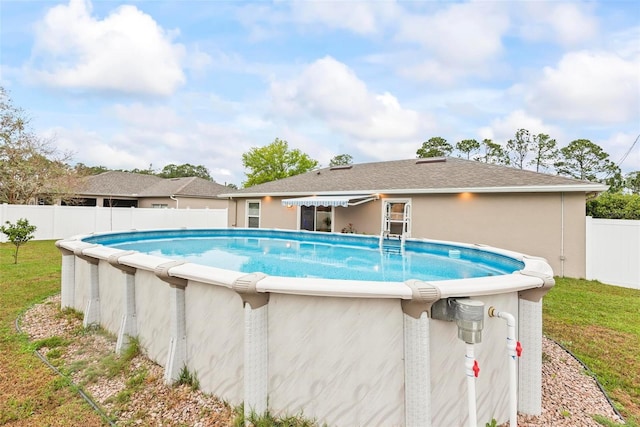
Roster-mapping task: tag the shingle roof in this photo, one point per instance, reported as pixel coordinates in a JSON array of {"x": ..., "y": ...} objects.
[
  {"x": 127, "y": 184},
  {"x": 193, "y": 186},
  {"x": 116, "y": 183},
  {"x": 435, "y": 175}
]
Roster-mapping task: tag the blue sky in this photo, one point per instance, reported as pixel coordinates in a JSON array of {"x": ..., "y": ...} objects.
[{"x": 129, "y": 84}]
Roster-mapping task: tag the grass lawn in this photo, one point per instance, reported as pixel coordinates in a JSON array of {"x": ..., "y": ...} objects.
[
  {"x": 30, "y": 393},
  {"x": 600, "y": 324}
]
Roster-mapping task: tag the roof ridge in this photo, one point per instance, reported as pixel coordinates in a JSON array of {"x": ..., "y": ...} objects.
[{"x": 183, "y": 186}]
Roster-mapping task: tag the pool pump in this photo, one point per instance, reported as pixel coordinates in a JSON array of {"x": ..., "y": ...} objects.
[{"x": 467, "y": 313}]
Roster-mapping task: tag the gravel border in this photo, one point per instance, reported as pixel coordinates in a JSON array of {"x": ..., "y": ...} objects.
[{"x": 570, "y": 394}]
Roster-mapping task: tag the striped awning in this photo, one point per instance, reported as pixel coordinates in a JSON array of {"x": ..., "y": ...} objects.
[{"x": 343, "y": 201}]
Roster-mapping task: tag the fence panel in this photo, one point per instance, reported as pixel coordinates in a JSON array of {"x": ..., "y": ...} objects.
[
  {"x": 58, "y": 222},
  {"x": 613, "y": 251}
]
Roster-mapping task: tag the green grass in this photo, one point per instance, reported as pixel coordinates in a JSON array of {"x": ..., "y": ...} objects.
[
  {"x": 600, "y": 324},
  {"x": 268, "y": 420},
  {"x": 30, "y": 393}
]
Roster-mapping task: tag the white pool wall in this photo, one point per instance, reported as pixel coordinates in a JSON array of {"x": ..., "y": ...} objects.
[{"x": 335, "y": 349}]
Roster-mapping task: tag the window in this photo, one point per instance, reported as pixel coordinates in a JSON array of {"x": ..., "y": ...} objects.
[
  {"x": 159, "y": 205},
  {"x": 315, "y": 218},
  {"x": 253, "y": 214}
]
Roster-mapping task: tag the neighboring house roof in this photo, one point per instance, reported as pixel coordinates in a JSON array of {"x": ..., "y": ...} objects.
[
  {"x": 127, "y": 184},
  {"x": 416, "y": 176},
  {"x": 185, "y": 187}
]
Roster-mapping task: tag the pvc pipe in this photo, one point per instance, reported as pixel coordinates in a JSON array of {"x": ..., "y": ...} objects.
[
  {"x": 513, "y": 350},
  {"x": 471, "y": 370}
]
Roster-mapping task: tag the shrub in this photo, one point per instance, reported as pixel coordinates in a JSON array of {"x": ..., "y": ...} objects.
[{"x": 615, "y": 206}]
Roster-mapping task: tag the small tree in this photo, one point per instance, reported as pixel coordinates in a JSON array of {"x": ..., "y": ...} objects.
[
  {"x": 632, "y": 182},
  {"x": 434, "y": 147},
  {"x": 18, "y": 234},
  {"x": 518, "y": 148},
  {"x": 584, "y": 160},
  {"x": 341, "y": 160},
  {"x": 545, "y": 152},
  {"x": 493, "y": 153},
  {"x": 468, "y": 147}
]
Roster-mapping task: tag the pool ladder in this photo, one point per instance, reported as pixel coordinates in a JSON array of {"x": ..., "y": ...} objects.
[{"x": 392, "y": 243}]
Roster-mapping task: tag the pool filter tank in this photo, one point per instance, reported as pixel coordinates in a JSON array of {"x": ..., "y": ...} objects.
[{"x": 466, "y": 312}]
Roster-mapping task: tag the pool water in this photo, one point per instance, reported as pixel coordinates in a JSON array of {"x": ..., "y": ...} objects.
[{"x": 310, "y": 255}]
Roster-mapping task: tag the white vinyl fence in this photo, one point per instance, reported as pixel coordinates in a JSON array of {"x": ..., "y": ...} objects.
[
  {"x": 613, "y": 251},
  {"x": 58, "y": 222}
]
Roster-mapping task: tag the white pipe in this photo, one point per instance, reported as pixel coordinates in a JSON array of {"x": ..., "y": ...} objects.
[
  {"x": 513, "y": 352},
  {"x": 469, "y": 364},
  {"x": 175, "y": 199}
]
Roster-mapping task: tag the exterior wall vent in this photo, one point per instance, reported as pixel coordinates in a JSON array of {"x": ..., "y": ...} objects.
[
  {"x": 431, "y": 160},
  {"x": 340, "y": 167}
]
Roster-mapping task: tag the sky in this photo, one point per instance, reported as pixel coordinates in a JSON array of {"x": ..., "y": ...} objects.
[{"x": 148, "y": 83}]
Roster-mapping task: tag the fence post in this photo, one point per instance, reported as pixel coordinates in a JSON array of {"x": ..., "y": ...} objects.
[{"x": 588, "y": 248}]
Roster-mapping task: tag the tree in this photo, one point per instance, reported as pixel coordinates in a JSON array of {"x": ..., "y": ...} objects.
[
  {"x": 518, "y": 148},
  {"x": 341, "y": 160},
  {"x": 434, "y": 147},
  {"x": 84, "y": 170},
  {"x": 545, "y": 152},
  {"x": 184, "y": 171},
  {"x": 275, "y": 161},
  {"x": 148, "y": 171},
  {"x": 493, "y": 153},
  {"x": 18, "y": 234},
  {"x": 30, "y": 167},
  {"x": 468, "y": 146},
  {"x": 584, "y": 160},
  {"x": 632, "y": 182}
]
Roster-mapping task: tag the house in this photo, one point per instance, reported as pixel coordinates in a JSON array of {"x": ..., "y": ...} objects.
[
  {"x": 436, "y": 198},
  {"x": 125, "y": 189}
]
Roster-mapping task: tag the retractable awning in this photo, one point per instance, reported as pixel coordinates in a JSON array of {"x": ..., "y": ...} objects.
[{"x": 343, "y": 201}]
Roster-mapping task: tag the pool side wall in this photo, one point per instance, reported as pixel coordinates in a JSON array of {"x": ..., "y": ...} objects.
[{"x": 338, "y": 360}]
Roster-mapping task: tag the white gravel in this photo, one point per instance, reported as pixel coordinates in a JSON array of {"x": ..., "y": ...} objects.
[{"x": 570, "y": 397}]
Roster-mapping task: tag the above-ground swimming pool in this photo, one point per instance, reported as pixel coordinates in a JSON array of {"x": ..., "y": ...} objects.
[
  {"x": 330, "y": 325},
  {"x": 327, "y": 256}
]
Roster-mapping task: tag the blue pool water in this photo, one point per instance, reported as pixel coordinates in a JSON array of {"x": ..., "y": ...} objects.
[{"x": 305, "y": 254}]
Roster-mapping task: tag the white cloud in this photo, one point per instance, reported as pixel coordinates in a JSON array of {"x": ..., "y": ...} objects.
[
  {"x": 457, "y": 36},
  {"x": 504, "y": 128},
  {"x": 591, "y": 87},
  {"x": 143, "y": 116},
  {"x": 331, "y": 92},
  {"x": 356, "y": 16},
  {"x": 565, "y": 23},
  {"x": 127, "y": 51}
]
